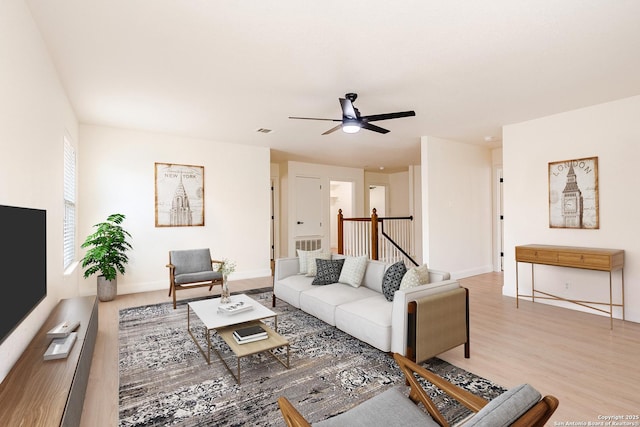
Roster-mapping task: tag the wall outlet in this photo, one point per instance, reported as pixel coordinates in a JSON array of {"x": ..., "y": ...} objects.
[{"x": 566, "y": 286}]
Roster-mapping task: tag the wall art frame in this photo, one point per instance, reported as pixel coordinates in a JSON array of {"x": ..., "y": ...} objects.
[
  {"x": 179, "y": 195},
  {"x": 573, "y": 194}
]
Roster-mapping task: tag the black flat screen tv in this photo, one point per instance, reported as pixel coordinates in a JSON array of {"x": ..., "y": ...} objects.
[{"x": 23, "y": 264}]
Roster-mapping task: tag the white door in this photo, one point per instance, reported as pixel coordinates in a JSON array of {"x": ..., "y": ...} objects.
[
  {"x": 378, "y": 200},
  {"x": 308, "y": 220}
]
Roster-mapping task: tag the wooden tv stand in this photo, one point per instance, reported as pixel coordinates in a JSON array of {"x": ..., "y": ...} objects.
[
  {"x": 39, "y": 392},
  {"x": 576, "y": 257}
]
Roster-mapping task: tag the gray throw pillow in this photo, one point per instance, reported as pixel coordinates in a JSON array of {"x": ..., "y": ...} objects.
[
  {"x": 392, "y": 279},
  {"x": 327, "y": 271}
]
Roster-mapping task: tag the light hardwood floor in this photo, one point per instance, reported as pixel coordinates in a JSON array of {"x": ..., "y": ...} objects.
[{"x": 573, "y": 355}]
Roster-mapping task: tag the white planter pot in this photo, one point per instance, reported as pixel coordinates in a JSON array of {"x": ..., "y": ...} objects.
[{"x": 107, "y": 289}]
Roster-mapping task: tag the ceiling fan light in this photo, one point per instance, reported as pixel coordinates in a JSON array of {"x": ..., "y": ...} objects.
[{"x": 351, "y": 127}]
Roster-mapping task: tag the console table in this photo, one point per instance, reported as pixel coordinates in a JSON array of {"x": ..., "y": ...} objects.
[
  {"x": 39, "y": 392},
  {"x": 576, "y": 257}
]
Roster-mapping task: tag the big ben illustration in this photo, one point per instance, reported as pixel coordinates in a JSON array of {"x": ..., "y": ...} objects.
[
  {"x": 572, "y": 207},
  {"x": 180, "y": 213}
]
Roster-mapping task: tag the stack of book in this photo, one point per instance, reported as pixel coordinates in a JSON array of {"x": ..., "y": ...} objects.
[
  {"x": 63, "y": 339},
  {"x": 234, "y": 307},
  {"x": 250, "y": 334}
]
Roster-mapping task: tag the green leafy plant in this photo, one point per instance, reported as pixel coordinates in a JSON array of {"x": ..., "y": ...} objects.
[{"x": 107, "y": 248}]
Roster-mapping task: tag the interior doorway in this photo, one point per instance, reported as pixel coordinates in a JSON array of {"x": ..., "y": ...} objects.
[
  {"x": 341, "y": 197},
  {"x": 378, "y": 199}
]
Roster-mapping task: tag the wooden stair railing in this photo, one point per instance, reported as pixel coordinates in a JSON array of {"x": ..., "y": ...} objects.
[{"x": 367, "y": 239}]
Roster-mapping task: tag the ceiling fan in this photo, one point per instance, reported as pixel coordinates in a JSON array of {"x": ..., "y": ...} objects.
[{"x": 352, "y": 121}]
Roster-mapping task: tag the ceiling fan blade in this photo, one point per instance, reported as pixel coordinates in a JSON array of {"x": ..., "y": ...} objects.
[
  {"x": 388, "y": 116},
  {"x": 374, "y": 128},
  {"x": 333, "y": 129},
  {"x": 348, "y": 110},
  {"x": 313, "y": 118}
]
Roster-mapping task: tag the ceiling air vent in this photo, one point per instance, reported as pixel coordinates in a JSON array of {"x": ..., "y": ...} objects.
[{"x": 264, "y": 130}]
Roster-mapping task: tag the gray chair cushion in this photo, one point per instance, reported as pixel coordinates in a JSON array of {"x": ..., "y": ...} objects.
[
  {"x": 191, "y": 261},
  {"x": 506, "y": 408},
  {"x": 203, "y": 276},
  {"x": 388, "y": 409}
]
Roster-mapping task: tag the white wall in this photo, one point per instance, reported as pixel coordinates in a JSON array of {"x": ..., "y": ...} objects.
[
  {"x": 117, "y": 175},
  {"x": 609, "y": 131},
  {"x": 456, "y": 206},
  {"x": 34, "y": 114},
  {"x": 399, "y": 194}
]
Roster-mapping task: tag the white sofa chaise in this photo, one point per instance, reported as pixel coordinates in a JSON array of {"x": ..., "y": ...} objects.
[{"x": 363, "y": 312}]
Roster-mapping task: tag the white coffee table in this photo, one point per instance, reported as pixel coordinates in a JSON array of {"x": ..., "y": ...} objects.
[{"x": 207, "y": 312}]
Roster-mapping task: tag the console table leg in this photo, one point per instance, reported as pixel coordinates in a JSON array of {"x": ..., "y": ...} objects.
[
  {"x": 533, "y": 287},
  {"x": 610, "y": 301},
  {"x": 622, "y": 277},
  {"x": 517, "y": 291}
]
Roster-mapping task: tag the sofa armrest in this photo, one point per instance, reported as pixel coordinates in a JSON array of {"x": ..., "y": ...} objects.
[
  {"x": 286, "y": 267},
  {"x": 401, "y": 300},
  {"x": 438, "y": 275}
]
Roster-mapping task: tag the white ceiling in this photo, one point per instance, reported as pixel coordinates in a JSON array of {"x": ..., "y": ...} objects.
[{"x": 222, "y": 69}]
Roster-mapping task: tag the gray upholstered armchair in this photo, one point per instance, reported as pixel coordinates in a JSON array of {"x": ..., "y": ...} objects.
[
  {"x": 521, "y": 406},
  {"x": 192, "y": 268}
]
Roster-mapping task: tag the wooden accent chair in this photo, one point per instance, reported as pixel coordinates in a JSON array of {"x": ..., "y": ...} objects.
[
  {"x": 192, "y": 268},
  {"x": 521, "y": 406}
]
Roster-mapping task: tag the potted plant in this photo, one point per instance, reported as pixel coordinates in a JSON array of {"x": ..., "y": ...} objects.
[{"x": 106, "y": 255}]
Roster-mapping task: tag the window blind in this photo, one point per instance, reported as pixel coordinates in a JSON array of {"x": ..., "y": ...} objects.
[{"x": 69, "y": 249}]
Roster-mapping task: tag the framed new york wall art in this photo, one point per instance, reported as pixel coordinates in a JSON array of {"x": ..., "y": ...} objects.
[
  {"x": 573, "y": 194},
  {"x": 179, "y": 195}
]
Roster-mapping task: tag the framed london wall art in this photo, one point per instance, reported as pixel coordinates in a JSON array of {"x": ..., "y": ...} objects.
[
  {"x": 573, "y": 194},
  {"x": 179, "y": 195}
]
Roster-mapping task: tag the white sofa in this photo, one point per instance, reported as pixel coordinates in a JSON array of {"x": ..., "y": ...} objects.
[{"x": 362, "y": 312}]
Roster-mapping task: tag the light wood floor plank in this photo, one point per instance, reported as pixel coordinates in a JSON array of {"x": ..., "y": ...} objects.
[{"x": 572, "y": 355}]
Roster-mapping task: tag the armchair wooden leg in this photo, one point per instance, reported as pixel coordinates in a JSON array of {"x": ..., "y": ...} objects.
[{"x": 174, "y": 299}]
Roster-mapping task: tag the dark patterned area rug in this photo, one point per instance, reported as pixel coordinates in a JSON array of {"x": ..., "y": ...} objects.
[{"x": 164, "y": 380}]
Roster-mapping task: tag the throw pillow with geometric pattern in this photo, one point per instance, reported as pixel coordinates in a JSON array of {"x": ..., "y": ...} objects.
[
  {"x": 327, "y": 271},
  {"x": 392, "y": 279},
  {"x": 311, "y": 262},
  {"x": 353, "y": 270},
  {"x": 411, "y": 279}
]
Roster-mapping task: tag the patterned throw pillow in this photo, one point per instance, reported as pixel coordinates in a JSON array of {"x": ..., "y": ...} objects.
[
  {"x": 328, "y": 271},
  {"x": 311, "y": 261},
  {"x": 353, "y": 271},
  {"x": 411, "y": 279},
  {"x": 303, "y": 256},
  {"x": 392, "y": 279},
  {"x": 423, "y": 274}
]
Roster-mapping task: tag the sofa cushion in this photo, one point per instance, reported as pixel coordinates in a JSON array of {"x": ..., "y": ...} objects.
[
  {"x": 506, "y": 408},
  {"x": 321, "y": 301},
  {"x": 392, "y": 279},
  {"x": 390, "y": 408},
  {"x": 367, "y": 319},
  {"x": 373, "y": 275},
  {"x": 311, "y": 262},
  {"x": 353, "y": 271},
  {"x": 302, "y": 258},
  {"x": 328, "y": 271},
  {"x": 290, "y": 288}
]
